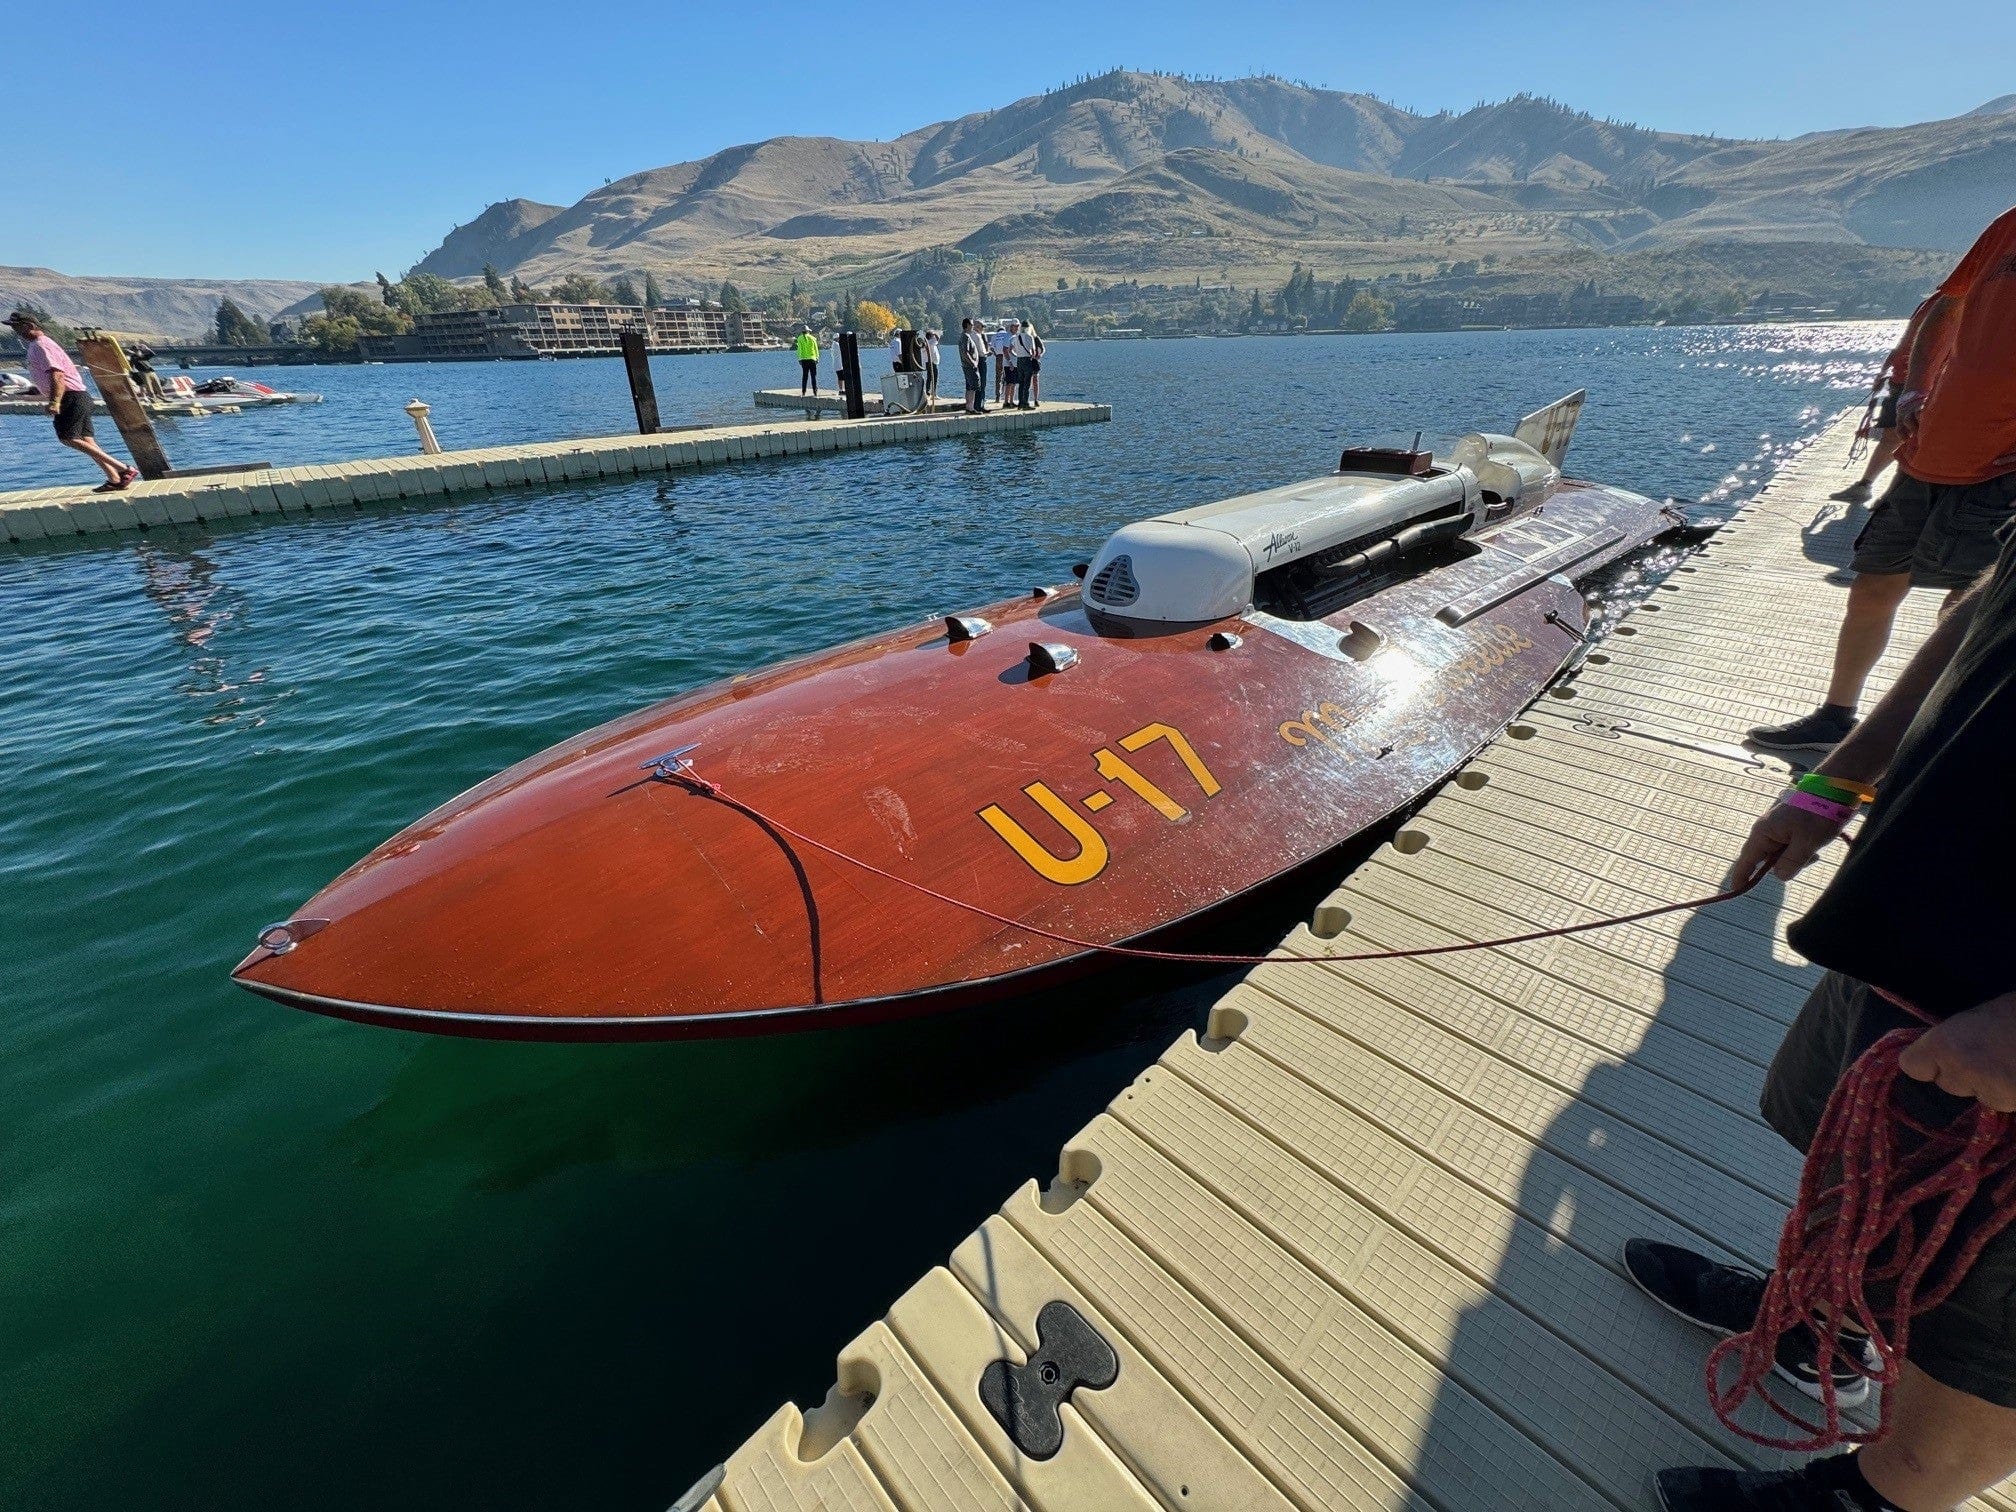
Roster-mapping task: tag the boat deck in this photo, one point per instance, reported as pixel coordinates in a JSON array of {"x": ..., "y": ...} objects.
[
  {"x": 35, "y": 514},
  {"x": 1357, "y": 1245}
]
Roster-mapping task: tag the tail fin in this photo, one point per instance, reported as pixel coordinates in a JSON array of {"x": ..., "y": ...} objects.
[{"x": 1548, "y": 431}]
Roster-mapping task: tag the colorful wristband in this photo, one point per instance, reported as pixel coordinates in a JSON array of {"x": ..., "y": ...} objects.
[
  {"x": 1840, "y": 813},
  {"x": 1834, "y": 790}
]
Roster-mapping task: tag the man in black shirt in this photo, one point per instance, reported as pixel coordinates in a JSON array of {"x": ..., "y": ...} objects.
[{"x": 1921, "y": 909}]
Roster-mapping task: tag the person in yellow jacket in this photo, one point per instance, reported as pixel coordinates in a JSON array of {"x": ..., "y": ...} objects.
[{"x": 808, "y": 362}]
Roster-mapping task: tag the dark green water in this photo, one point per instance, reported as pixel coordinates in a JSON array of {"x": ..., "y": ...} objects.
[{"x": 251, "y": 1258}]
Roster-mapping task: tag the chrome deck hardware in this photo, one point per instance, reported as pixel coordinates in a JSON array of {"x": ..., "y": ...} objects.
[
  {"x": 1051, "y": 656},
  {"x": 673, "y": 765}
]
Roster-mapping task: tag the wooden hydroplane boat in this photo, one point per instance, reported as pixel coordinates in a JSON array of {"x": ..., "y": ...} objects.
[{"x": 1231, "y": 692}]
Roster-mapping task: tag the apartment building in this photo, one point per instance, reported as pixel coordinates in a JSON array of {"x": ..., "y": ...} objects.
[{"x": 567, "y": 330}]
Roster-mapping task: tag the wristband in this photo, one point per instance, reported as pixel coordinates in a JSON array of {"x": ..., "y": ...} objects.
[
  {"x": 1839, "y": 813},
  {"x": 1834, "y": 789}
]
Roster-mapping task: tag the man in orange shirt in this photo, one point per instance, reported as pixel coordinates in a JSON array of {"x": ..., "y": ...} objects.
[{"x": 1956, "y": 475}]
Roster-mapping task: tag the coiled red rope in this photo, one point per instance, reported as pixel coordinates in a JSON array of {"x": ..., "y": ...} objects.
[
  {"x": 1879, "y": 1198},
  {"x": 1879, "y": 1195}
]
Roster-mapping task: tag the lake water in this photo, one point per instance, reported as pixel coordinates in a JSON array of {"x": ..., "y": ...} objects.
[{"x": 251, "y": 1258}]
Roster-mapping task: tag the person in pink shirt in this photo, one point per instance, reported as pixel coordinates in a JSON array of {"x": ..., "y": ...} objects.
[{"x": 57, "y": 380}]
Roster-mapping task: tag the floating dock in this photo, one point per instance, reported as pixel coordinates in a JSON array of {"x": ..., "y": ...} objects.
[
  {"x": 37, "y": 514},
  {"x": 1357, "y": 1245},
  {"x": 827, "y": 402}
]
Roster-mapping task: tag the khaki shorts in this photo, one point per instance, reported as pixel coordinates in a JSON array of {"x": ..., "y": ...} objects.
[
  {"x": 1944, "y": 534},
  {"x": 1968, "y": 1342}
]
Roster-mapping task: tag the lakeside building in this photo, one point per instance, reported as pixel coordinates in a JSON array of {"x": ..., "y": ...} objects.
[{"x": 567, "y": 330}]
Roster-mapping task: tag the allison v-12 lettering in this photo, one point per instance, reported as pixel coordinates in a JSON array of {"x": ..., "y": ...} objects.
[{"x": 1092, "y": 854}]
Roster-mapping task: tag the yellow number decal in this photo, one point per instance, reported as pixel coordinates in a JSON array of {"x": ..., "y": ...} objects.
[
  {"x": 1112, "y": 766},
  {"x": 1299, "y": 732},
  {"x": 1147, "y": 735},
  {"x": 1083, "y": 867}
]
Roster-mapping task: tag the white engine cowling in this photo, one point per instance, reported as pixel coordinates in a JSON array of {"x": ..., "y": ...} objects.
[{"x": 1201, "y": 564}]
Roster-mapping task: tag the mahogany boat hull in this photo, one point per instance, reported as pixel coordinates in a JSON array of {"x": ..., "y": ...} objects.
[{"x": 1171, "y": 771}]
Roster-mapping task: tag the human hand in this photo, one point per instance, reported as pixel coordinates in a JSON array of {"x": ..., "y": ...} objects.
[
  {"x": 1909, "y": 404},
  {"x": 1783, "y": 842},
  {"x": 1972, "y": 1054}
]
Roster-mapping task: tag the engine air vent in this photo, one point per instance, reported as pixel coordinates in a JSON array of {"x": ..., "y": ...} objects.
[
  {"x": 1115, "y": 585},
  {"x": 1051, "y": 656}
]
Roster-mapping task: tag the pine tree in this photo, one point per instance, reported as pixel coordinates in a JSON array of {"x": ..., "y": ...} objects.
[
  {"x": 494, "y": 282},
  {"x": 521, "y": 291},
  {"x": 652, "y": 297},
  {"x": 731, "y": 297},
  {"x": 622, "y": 291},
  {"x": 236, "y": 328}
]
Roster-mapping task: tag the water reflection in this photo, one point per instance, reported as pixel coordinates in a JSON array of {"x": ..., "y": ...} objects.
[{"x": 200, "y": 609}]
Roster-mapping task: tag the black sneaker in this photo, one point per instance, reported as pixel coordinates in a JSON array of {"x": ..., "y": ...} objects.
[
  {"x": 1724, "y": 1300},
  {"x": 1822, "y": 1486},
  {"x": 1822, "y": 730}
]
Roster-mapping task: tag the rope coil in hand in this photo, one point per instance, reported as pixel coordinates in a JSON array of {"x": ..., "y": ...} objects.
[{"x": 1879, "y": 1198}]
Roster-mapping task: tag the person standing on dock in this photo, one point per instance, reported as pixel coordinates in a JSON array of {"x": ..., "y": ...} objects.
[
  {"x": 1028, "y": 364},
  {"x": 1956, "y": 476},
  {"x": 1918, "y": 914},
  {"x": 56, "y": 378},
  {"x": 973, "y": 365},
  {"x": 1000, "y": 343},
  {"x": 808, "y": 361},
  {"x": 930, "y": 369}
]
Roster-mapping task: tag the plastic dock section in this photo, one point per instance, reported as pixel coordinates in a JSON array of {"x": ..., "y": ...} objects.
[
  {"x": 1357, "y": 1246},
  {"x": 827, "y": 402},
  {"x": 57, "y": 512}
]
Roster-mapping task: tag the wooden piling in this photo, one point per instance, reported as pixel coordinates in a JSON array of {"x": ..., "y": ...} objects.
[
  {"x": 850, "y": 375},
  {"x": 108, "y": 365},
  {"x": 637, "y": 363}
]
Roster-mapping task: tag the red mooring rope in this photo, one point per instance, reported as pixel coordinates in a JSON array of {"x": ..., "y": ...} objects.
[
  {"x": 1857, "y": 1223},
  {"x": 1879, "y": 1198},
  {"x": 1192, "y": 957}
]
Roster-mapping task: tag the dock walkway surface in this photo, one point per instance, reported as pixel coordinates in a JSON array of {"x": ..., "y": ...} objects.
[
  {"x": 1358, "y": 1245},
  {"x": 36, "y": 514}
]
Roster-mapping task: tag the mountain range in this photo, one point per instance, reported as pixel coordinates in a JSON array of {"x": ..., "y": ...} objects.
[
  {"x": 1170, "y": 179},
  {"x": 1146, "y": 175}
]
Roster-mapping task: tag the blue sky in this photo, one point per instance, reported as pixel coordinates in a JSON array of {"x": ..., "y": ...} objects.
[{"x": 294, "y": 139}]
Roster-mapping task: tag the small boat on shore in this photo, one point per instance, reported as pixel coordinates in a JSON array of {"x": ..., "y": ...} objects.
[{"x": 963, "y": 809}]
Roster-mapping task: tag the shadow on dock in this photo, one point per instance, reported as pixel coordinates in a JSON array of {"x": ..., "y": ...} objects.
[{"x": 1615, "y": 1162}]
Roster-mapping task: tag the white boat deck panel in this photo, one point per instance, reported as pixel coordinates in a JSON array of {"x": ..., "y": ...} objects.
[{"x": 1357, "y": 1245}]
